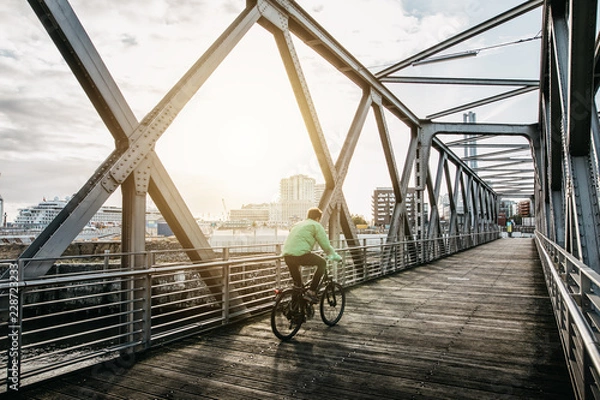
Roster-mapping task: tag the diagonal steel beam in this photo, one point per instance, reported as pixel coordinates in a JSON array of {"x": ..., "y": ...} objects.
[
  {"x": 318, "y": 39},
  {"x": 276, "y": 21},
  {"x": 398, "y": 184},
  {"x": 482, "y": 102},
  {"x": 135, "y": 142}
]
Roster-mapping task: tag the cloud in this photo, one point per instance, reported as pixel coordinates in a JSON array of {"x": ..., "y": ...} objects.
[
  {"x": 424, "y": 8},
  {"x": 52, "y": 139}
]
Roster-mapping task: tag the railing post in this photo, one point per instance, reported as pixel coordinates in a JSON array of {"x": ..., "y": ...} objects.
[
  {"x": 364, "y": 263},
  {"x": 584, "y": 290},
  {"x": 225, "y": 286},
  {"x": 567, "y": 267},
  {"x": 278, "y": 266},
  {"x": 15, "y": 327},
  {"x": 106, "y": 260},
  {"x": 147, "y": 318}
]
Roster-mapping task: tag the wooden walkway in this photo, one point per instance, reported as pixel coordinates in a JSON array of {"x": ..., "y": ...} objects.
[{"x": 477, "y": 325}]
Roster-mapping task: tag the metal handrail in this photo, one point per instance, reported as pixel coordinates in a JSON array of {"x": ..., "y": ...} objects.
[
  {"x": 572, "y": 286},
  {"x": 68, "y": 321}
]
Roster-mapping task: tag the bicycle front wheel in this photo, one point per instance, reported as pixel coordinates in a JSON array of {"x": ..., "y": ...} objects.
[
  {"x": 286, "y": 316},
  {"x": 333, "y": 302}
]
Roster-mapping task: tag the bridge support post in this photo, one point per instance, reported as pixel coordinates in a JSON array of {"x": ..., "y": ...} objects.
[
  {"x": 133, "y": 241},
  {"x": 225, "y": 287}
]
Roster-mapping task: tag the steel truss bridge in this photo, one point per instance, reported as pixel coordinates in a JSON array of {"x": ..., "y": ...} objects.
[{"x": 552, "y": 160}]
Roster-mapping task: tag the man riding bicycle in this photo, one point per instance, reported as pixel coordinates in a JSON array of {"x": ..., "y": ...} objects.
[{"x": 297, "y": 250}]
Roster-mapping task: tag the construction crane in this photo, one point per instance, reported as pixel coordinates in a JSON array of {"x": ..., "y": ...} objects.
[{"x": 225, "y": 208}]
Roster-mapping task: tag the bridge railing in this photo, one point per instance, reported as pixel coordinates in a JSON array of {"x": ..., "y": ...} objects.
[
  {"x": 574, "y": 290},
  {"x": 89, "y": 309}
]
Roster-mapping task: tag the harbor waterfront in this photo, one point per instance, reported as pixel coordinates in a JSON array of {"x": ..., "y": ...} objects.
[{"x": 217, "y": 238}]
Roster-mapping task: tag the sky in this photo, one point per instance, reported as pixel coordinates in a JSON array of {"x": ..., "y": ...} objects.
[{"x": 242, "y": 131}]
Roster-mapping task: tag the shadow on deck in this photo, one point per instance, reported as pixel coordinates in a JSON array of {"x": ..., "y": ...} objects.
[{"x": 476, "y": 325}]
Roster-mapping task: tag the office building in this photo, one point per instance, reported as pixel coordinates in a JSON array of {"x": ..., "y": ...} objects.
[{"x": 296, "y": 196}]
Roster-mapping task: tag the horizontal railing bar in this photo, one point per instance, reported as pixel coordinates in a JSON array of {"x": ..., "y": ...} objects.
[
  {"x": 74, "y": 323},
  {"x": 582, "y": 332},
  {"x": 81, "y": 359},
  {"x": 187, "y": 300},
  {"x": 195, "y": 328},
  {"x": 82, "y": 356},
  {"x": 140, "y": 272},
  {"x": 86, "y": 297},
  {"x": 79, "y": 334},
  {"x": 88, "y": 308},
  {"x": 190, "y": 318},
  {"x": 166, "y": 302},
  {"x": 187, "y": 309}
]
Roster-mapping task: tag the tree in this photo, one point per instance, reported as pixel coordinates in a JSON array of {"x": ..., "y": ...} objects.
[{"x": 359, "y": 220}]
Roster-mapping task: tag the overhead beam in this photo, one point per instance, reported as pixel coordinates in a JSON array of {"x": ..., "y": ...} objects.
[
  {"x": 461, "y": 37},
  {"x": 310, "y": 32},
  {"x": 460, "y": 81},
  {"x": 482, "y": 102}
]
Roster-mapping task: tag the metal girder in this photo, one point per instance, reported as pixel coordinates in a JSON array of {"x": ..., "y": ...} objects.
[
  {"x": 461, "y": 81},
  {"x": 453, "y": 193},
  {"x": 134, "y": 159},
  {"x": 399, "y": 184},
  {"x": 570, "y": 122},
  {"x": 461, "y": 37},
  {"x": 306, "y": 29},
  {"x": 509, "y": 161},
  {"x": 482, "y": 102},
  {"x": 478, "y": 132},
  {"x": 283, "y": 18},
  {"x": 135, "y": 141},
  {"x": 332, "y": 199},
  {"x": 564, "y": 143},
  {"x": 305, "y": 103},
  {"x": 478, "y": 198},
  {"x": 400, "y": 227},
  {"x": 582, "y": 32},
  {"x": 75, "y": 46},
  {"x": 434, "y": 228},
  {"x": 468, "y": 142},
  {"x": 597, "y": 65},
  {"x": 508, "y": 172}
]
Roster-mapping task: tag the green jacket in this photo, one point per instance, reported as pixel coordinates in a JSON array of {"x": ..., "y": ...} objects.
[{"x": 303, "y": 236}]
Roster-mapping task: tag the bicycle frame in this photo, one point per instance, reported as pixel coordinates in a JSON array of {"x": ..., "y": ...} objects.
[{"x": 291, "y": 310}]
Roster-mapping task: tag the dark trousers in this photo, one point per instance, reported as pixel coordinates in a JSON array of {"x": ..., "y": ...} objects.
[{"x": 295, "y": 262}]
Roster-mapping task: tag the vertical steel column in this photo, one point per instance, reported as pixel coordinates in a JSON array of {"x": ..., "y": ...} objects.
[
  {"x": 568, "y": 100},
  {"x": 133, "y": 241},
  {"x": 225, "y": 286}
]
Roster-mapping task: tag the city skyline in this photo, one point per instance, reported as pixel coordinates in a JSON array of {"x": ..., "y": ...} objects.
[
  {"x": 243, "y": 129},
  {"x": 225, "y": 212}
]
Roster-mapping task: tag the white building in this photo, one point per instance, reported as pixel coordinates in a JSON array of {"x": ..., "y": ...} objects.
[
  {"x": 251, "y": 213},
  {"x": 39, "y": 216},
  {"x": 297, "y": 195}
]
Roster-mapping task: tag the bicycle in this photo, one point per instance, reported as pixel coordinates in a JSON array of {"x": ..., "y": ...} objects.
[{"x": 291, "y": 310}]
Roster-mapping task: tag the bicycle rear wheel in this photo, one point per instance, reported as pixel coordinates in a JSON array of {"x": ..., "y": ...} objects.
[
  {"x": 333, "y": 302},
  {"x": 286, "y": 316}
]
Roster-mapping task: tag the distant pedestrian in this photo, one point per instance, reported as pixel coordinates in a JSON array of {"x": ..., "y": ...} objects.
[
  {"x": 509, "y": 225},
  {"x": 297, "y": 250}
]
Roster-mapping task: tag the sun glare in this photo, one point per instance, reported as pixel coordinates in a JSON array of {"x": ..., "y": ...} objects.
[{"x": 241, "y": 144}]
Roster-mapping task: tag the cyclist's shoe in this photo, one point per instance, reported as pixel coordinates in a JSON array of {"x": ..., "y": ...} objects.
[{"x": 311, "y": 297}]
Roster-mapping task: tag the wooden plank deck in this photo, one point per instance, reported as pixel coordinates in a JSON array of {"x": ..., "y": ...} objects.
[{"x": 476, "y": 325}]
